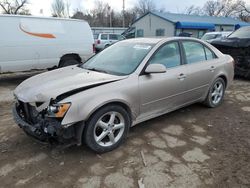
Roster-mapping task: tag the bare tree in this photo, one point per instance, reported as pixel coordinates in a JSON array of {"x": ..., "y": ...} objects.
[
  {"x": 144, "y": 6},
  {"x": 223, "y": 7},
  {"x": 226, "y": 8},
  {"x": 101, "y": 13},
  {"x": 193, "y": 10},
  {"x": 14, "y": 6},
  {"x": 244, "y": 14},
  {"x": 212, "y": 8},
  {"x": 58, "y": 8}
]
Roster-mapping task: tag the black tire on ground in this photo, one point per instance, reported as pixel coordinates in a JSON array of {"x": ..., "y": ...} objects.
[
  {"x": 91, "y": 134},
  {"x": 68, "y": 61},
  {"x": 211, "y": 101}
]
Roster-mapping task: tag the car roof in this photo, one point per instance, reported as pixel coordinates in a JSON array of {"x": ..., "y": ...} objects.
[
  {"x": 144, "y": 40},
  {"x": 155, "y": 40}
]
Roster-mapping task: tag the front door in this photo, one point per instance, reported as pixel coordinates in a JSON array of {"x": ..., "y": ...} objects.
[{"x": 162, "y": 92}]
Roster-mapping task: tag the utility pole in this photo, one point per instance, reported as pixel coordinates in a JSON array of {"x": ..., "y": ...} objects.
[
  {"x": 123, "y": 12},
  {"x": 110, "y": 19}
]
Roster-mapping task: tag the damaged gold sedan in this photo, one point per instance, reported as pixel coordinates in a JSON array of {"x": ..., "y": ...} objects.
[{"x": 131, "y": 81}]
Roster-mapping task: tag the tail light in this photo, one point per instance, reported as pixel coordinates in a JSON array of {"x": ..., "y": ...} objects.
[
  {"x": 98, "y": 41},
  {"x": 94, "y": 50}
]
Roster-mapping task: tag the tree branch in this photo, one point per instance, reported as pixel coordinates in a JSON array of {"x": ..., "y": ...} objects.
[
  {"x": 5, "y": 10},
  {"x": 19, "y": 6}
]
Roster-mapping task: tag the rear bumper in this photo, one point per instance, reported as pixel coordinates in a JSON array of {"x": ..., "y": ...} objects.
[{"x": 51, "y": 131}]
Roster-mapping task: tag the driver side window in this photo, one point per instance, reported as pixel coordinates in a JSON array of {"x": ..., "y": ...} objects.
[{"x": 168, "y": 55}]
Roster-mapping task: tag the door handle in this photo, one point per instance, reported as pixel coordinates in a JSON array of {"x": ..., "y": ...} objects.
[
  {"x": 182, "y": 76},
  {"x": 212, "y": 68}
]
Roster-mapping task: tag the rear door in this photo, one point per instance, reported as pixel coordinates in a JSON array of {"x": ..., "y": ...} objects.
[
  {"x": 201, "y": 64},
  {"x": 162, "y": 92}
]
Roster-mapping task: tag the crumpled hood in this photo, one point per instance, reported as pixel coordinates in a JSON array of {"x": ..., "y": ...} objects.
[{"x": 43, "y": 87}]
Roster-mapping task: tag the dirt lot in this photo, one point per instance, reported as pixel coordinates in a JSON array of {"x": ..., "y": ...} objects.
[{"x": 192, "y": 147}]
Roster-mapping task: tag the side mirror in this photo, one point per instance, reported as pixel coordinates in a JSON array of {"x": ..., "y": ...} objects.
[{"x": 155, "y": 68}]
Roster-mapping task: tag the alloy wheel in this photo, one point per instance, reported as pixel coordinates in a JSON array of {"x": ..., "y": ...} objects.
[
  {"x": 217, "y": 92},
  {"x": 109, "y": 129}
]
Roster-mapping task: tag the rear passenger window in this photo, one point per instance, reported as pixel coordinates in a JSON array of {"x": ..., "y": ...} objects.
[
  {"x": 194, "y": 52},
  {"x": 104, "y": 37},
  {"x": 209, "y": 54},
  {"x": 113, "y": 37},
  {"x": 168, "y": 55}
]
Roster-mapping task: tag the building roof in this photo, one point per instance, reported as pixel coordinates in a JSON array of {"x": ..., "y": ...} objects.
[{"x": 174, "y": 18}]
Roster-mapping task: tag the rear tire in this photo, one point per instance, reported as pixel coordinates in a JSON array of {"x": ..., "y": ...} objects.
[
  {"x": 216, "y": 93},
  {"x": 107, "y": 128}
]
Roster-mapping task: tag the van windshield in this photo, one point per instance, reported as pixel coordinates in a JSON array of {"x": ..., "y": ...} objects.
[{"x": 121, "y": 58}]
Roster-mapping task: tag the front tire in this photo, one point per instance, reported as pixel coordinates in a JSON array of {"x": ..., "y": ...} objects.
[
  {"x": 216, "y": 93},
  {"x": 107, "y": 128}
]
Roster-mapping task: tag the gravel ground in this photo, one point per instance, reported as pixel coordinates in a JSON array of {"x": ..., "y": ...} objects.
[{"x": 192, "y": 147}]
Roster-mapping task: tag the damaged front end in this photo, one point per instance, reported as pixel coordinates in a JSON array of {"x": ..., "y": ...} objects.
[{"x": 45, "y": 125}]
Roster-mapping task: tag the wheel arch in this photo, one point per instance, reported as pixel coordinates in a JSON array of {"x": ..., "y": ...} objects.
[
  {"x": 224, "y": 79},
  {"x": 115, "y": 102},
  {"x": 68, "y": 56}
]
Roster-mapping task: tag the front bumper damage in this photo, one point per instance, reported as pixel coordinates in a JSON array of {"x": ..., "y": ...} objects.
[{"x": 46, "y": 129}]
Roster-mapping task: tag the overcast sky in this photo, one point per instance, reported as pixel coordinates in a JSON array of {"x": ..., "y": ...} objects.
[{"x": 176, "y": 6}]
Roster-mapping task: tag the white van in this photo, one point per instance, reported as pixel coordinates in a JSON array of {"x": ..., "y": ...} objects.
[{"x": 28, "y": 42}]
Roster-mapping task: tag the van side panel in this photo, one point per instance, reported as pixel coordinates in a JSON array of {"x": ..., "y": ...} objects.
[
  {"x": 17, "y": 51},
  {"x": 76, "y": 37},
  {"x": 37, "y": 43}
]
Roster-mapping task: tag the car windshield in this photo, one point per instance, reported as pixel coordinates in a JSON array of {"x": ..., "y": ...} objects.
[
  {"x": 210, "y": 36},
  {"x": 121, "y": 58},
  {"x": 241, "y": 33}
]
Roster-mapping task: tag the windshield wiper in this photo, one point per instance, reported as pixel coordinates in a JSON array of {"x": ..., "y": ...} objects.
[{"x": 97, "y": 70}]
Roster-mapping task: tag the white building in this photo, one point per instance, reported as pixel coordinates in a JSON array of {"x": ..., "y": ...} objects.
[{"x": 170, "y": 24}]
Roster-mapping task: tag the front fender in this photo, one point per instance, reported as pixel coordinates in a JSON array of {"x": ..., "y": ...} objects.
[
  {"x": 81, "y": 112},
  {"x": 85, "y": 103}
]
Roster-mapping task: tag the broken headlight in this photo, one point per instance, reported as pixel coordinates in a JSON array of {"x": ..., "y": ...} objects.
[{"x": 58, "y": 110}]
